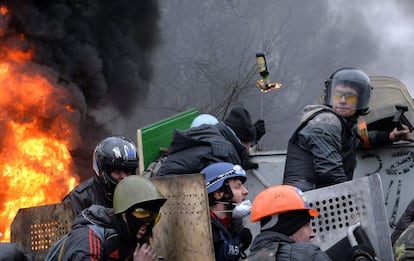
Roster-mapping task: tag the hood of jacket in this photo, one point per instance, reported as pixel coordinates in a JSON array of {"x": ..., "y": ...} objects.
[
  {"x": 95, "y": 214},
  {"x": 192, "y": 137}
]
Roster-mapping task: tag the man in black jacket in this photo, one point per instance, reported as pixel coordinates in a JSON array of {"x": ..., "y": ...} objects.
[
  {"x": 284, "y": 216},
  {"x": 121, "y": 233},
  {"x": 322, "y": 150},
  {"x": 193, "y": 149},
  {"x": 114, "y": 158}
]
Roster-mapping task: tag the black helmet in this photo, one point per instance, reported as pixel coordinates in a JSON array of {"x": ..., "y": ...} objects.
[
  {"x": 112, "y": 153},
  {"x": 355, "y": 79}
]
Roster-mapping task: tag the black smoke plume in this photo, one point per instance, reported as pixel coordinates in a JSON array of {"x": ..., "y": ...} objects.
[{"x": 102, "y": 47}]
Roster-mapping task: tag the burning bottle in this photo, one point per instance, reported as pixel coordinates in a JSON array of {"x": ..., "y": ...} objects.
[{"x": 263, "y": 83}]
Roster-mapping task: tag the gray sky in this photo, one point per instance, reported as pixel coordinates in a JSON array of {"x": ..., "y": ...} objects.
[
  {"x": 306, "y": 41},
  {"x": 140, "y": 63},
  {"x": 392, "y": 23}
]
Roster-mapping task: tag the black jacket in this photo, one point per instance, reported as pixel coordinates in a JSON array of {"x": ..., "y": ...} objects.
[
  {"x": 89, "y": 192},
  {"x": 193, "y": 149},
  {"x": 83, "y": 243},
  {"x": 231, "y": 242},
  {"x": 283, "y": 248},
  {"x": 321, "y": 152}
]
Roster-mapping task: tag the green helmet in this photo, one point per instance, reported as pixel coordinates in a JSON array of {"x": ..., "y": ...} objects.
[{"x": 134, "y": 190}]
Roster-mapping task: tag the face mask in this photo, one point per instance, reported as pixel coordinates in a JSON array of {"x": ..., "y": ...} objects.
[
  {"x": 242, "y": 209},
  {"x": 138, "y": 218}
]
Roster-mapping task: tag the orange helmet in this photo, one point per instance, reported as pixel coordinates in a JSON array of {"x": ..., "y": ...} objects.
[{"x": 278, "y": 199}]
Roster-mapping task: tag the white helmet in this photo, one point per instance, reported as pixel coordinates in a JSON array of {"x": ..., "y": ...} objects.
[{"x": 204, "y": 119}]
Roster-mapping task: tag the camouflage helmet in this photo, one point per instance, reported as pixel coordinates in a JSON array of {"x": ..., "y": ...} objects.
[{"x": 134, "y": 190}]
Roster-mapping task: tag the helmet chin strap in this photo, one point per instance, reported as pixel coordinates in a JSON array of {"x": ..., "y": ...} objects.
[
  {"x": 227, "y": 199},
  {"x": 229, "y": 207}
]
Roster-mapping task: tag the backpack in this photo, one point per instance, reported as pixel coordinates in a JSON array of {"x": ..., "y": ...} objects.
[
  {"x": 154, "y": 167},
  {"x": 56, "y": 251}
]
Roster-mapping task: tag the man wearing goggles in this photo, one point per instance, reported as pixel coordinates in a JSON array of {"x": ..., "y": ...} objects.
[
  {"x": 322, "y": 150},
  {"x": 121, "y": 233}
]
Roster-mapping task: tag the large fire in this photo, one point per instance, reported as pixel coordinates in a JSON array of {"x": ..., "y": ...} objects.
[{"x": 35, "y": 164}]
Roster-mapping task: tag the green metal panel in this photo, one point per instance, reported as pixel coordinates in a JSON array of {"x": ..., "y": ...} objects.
[{"x": 158, "y": 135}]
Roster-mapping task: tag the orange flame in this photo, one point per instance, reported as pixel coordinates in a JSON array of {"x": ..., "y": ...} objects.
[
  {"x": 35, "y": 164},
  {"x": 3, "y": 10}
]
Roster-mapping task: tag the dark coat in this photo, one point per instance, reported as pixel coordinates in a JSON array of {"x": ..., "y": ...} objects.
[
  {"x": 83, "y": 243},
  {"x": 231, "y": 242},
  {"x": 87, "y": 193},
  {"x": 194, "y": 149},
  {"x": 285, "y": 249},
  {"x": 322, "y": 151}
]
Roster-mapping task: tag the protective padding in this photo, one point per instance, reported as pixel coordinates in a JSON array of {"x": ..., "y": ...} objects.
[
  {"x": 343, "y": 205},
  {"x": 184, "y": 231},
  {"x": 36, "y": 229}
]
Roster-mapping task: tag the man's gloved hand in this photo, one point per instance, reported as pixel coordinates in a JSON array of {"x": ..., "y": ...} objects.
[
  {"x": 242, "y": 209},
  {"x": 260, "y": 129},
  {"x": 246, "y": 165},
  {"x": 362, "y": 253}
]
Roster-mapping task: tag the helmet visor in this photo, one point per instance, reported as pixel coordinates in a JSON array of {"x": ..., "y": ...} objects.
[{"x": 350, "y": 92}]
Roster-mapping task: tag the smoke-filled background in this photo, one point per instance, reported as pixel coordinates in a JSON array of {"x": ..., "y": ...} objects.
[
  {"x": 101, "y": 47},
  {"x": 137, "y": 62}
]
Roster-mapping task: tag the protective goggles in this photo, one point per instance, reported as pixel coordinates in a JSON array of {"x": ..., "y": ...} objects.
[
  {"x": 146, "y": 215},
  {"x": 349, "y": 96}
]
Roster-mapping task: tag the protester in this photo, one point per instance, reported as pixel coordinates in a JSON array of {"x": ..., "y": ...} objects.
[
  {"x": 224, "y": 182},
  {"x": 121, "y": 233},
  {"x": 286, "y": 232},
  {"x": 321, "y": 151},
  {"x": 240, "y": 122},
  {"x": 193, "y": 149},
  {"x": 114, "y": 158}
]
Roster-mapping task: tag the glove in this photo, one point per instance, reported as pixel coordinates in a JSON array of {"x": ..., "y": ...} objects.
[
  {"x": 260, "y": 129},
  {"x": 246, "y": 164},
  {"x": 362, "y": 252},
  {"x": 242, "y": 209}
]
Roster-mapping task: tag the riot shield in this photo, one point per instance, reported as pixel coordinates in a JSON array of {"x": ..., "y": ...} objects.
[{"x": 344, "y": 205}]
